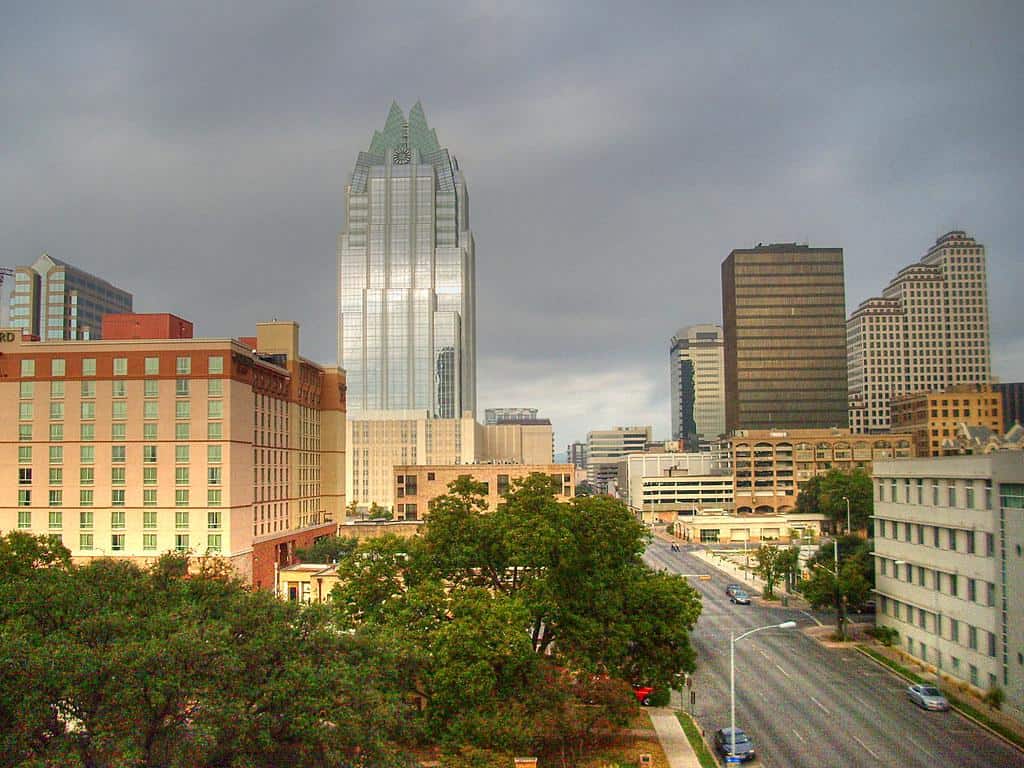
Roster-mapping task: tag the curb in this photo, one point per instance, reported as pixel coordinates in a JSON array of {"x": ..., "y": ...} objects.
[{"x": 952, "y": 706}]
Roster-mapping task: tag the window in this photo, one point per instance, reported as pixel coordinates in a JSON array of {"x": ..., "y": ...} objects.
[
  {"x": 57, "y": 389},
  {"x": 117, "y": 454},
  {"x": 972, "y": 593},
  {"x": 56, "y": 454},
  {"x": 149, "y": 454},
  {"x": 181, "y": 431},
  {"x": 954, "y": 630},
  {"x": 152, "y": 366},
  {"x": 213, "y": 498},
  {"x": 149, "y": 475},
  {"x": 181, "y": 388},
  {"x": 972, "y": 638},
  {"x": 119, "y": 409},
  {"x": 88, "y": 410},
  {"x": 117, "y": 518},
  {"x": 25, "y": 411},
  {"x": 990, "y": 594},
  {"x": 181, "y": 497},
  {"x": 954, "y": 584},
  {"x": 119, "y": 389},
  {"x": 181, "y": 542},
  {"x": 24, "y": 517},
  {"x": 56, "y": 475},
  {"x": 85, "y": 497},
  {"x": 213, "y": 454},
  {"x": 56, "y": 498},
  {"x": 56, "y": 519},
  {"x": 183, "y": 366},
  {"x": 213, "y": 542},
  {"x": 117, "y": 497},
  {"x": 215, "y": 388},
  {"x": 149, "y": 518},
  {"x": 215, "y": 364},
  {"x": 28, "y": 368},
  {"x": 213, "y": 519},
  {"x": 149, "y": 497},
  {"x": 88, "y": 432},
  {"x": 85, "y": 541},
  {"x": 149, "y": 431},
  {"x": 117, "y": 542},
  {"x": 24, "y": 454},
  {"x": 25, "y": 390},
  {"x": 920, "y": 534},
  {"x": 952, "y": 493},
  {"x": 151, "y": 388},
  {"x": 88, "y": 389},
  {"x": 988, "y": 494},
  {"x": 118, "y": 431},
  {"x": 24, "y": 432},
  {"x": 151, "y": 410},
  {"x": 213, "y": 475},
  {"x": 970, "y": 494},
  {"x": 86, "y": 454},
  {"x": 970, "y": 541},
  {"x": 215, "y": 409},
  {"x": 214, "y": 431},
  {"x": 149, "y": 541},
  {"x": 181, "y": 518},
  {"x": 120, "y": 366},
  {"x": 88, "y": 366},
  {"x": 56, "y": 411},
  {"x": 181, "y": 475},
  {"x": 182, "y": 409},
  {"x": 56, "y": 433},
  {"x": 181, "y": 454},
  {"x": 25, "y": 476},
  {"x": 990, "y": 545},
  {"x": 57, "y": 367},
  {"x": 117, "y": 475}
]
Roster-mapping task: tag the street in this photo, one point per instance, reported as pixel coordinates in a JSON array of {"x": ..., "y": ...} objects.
[{"x": 806, "y": 705}]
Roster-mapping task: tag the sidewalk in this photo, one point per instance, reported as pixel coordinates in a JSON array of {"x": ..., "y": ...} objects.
[{"x": 673, "y": 740}]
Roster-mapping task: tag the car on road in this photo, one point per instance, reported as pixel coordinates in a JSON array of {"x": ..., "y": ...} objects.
[
  {"x": 725, "y": 744},
  {"x": 643, "y": 693},
  {"x": 927, "y": 697},
  {"x": 740, "y": 597},
  {"x": 732, "y": 588}
]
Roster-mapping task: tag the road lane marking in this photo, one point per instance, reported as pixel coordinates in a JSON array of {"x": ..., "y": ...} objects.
[
  {"x": 860, "y": 701},
  {"x": 799, "y": 736},
  {"x": 820, "y": 706},
  {"x": 922, "y": 749},
  {"x": 762, "y": 652},
  {"x": 782, "y": 670},
  {"x": 805, "y": 613},
  {"x": 869, "y": 749}
]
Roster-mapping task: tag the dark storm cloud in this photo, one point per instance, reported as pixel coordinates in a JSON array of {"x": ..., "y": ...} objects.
[{"x": 196, "y": 154}]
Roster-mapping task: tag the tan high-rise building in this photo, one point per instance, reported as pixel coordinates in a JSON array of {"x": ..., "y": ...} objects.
[
  {"x": 783, "y": 312},
  {"x": 133, "y": 447},
  {"x": 927, "y": 332},
  {"x": 933, "y": 419}
]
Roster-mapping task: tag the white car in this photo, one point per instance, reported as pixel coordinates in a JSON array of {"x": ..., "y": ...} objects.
[{"x": 928, "y": 697}]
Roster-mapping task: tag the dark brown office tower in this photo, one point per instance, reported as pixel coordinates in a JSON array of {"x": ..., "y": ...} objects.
[{"x": 784, "y": 321}]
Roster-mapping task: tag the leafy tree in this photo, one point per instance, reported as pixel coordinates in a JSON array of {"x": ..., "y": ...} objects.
[
  {"x": 584, "y": 488},
  {"x": 329, "y": 549},
  {"x": 825, "y": 494},
  {"x": 808, "y": 501},
  {"x": 853, "y": 585},
  {"x": 774, "y": 563}
]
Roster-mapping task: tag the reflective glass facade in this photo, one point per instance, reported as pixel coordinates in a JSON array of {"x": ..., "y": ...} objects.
[{"x": 406, "y": 276}]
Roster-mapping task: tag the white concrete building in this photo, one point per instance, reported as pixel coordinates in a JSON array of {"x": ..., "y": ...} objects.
[
  {"x": 650, "y": 483},
  {"x": 949, "y": 565}
]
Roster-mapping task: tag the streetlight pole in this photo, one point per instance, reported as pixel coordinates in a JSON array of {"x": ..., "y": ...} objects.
[
  {"x": 848, "y": 526},
  {"x": 732, "y": 674}
]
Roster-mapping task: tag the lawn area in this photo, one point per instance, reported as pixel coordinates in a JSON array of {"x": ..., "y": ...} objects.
[{"x": 707, "y": 760}]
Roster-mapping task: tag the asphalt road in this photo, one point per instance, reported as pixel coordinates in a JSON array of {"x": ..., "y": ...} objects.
[{"x": 805, "y": 705}]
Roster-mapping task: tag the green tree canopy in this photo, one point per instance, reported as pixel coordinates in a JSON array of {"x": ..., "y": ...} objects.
[{"x": 825, "y": 494}]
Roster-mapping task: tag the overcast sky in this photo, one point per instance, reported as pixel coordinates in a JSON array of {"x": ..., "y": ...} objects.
[{"x": 196, "y": 155}]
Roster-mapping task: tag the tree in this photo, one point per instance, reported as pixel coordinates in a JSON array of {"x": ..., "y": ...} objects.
[
  {"x": 826, "y": 494},
  {"x": 329, "y": 549},
  {"x": 850, "y": 588},
  {"x": 774, "y": 563}
]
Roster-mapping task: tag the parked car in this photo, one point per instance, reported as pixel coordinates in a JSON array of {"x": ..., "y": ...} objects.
[
  {"x": 740, "y": 597},
  {"x": 724, "y": 743},
  {"x": 927, "y": 697},
  {"x": 643, "y": 693},
  {"x": 732, "y": 588}
]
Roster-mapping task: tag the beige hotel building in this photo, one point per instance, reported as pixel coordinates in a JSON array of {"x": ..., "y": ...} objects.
[{"x": 136, "y": 446}]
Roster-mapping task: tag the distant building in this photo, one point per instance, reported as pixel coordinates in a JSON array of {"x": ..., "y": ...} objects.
[
  {"x": 976, "y": 440},
  {"x": 525, "y": 441},
  {"x": 416, "y": 487},
  {"x": 697, "y": 380},
  {"x": 606, "y": 446},
  {"x": 158, "y": 325},
  {"x": 927, "y": 332},
  {"x": 501, "y": 415},
  {"x": 784, "y": 312},
  {"x": 55, "y": 301},
  {"x": 654, "y": 485},
  {"x": 576, "y": 454},
  {"x": 948, "y": 570},
  {"x": 711, "y": 526},
  {"x": 934, "y": 419},
  {"x": 1013, "y": 403},
  {"x": 130, "y": 448}
]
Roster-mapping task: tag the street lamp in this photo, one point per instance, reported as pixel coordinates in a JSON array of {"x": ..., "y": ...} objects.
[
  {"x": 732, "y": 674},
  {"x": 848, "y": 526}
]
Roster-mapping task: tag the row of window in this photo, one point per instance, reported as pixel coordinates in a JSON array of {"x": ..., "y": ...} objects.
[
  {"x": 949, "y": 629},
  {"x": 182, "y": 366},
  {"x": 119, "y": 431},
  {"x": 86, "y": 519},
  {"x": 87, "y": 454},
  {"x": 86, "y": 497},
  {"x": 119, "y": 389},
  {"x": 182, "y": 542},
  {"x": 977, "y": 590},
  {"x": 950, "y": 498},
  {"x": 119, "y": 410},
  {"x": 87, "y": 475},
  {"x": 939, "y": 537}
]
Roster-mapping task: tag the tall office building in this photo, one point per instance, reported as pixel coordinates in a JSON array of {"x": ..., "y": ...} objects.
[
  {"x": 783, "y": 311},
  {"x": 927, "y": 332},
  {"x": 576, "y": 454},
  {"x": 55, "y": 301},
  {"x": 406, "y": 276},
  {"x": 606, "y": 446},
  {"x": 697, "y": 377}
]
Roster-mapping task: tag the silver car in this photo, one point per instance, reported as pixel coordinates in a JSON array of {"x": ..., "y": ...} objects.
[{"x": 927, "y": 697}]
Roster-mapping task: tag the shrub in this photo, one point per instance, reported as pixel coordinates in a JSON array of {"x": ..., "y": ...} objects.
[{"x": 994, "y": 697}]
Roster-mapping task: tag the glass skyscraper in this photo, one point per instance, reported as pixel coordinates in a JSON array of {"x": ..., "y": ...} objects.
[
  {"x": 406, "y": 276},
  {"x": 56, "y": 301}
]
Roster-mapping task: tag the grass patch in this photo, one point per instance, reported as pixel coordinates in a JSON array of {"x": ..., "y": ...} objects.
[
  {"x": 706, "y": 759},
  {"x": 954, "y": 700}
]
